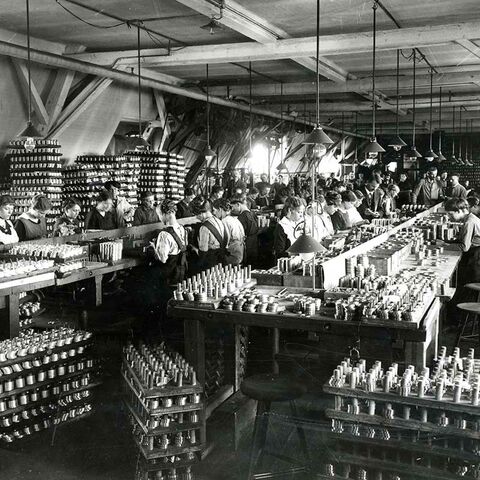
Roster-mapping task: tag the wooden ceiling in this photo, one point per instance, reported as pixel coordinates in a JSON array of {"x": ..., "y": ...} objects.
[{"x": 269, "y": 22}]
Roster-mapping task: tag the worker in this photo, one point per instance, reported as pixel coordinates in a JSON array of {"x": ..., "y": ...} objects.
[
  {"x": 372, "y": 202},
  {"x": 216, "y": 194},
  {"x": 389, "y": 200},
  {"x": 454, "y": 189},
  {"x": 249, "y": 223},
  {"x": 121, "y": 208},
  {"x": 263, "y": 183},
  {"x": 8, "y": 234},
  {"x": 146, "y": 213},
  {"x": 31, "y": 224},
  {"x": 429, "y": 190},
  {"x": 286, "y": 230},
  {"x": 212, "y": 239},
  {"x": 236, "y": 186},
  {"x": 101, "y": 216},
  {"x": 184, "y": 209},
  {"x": 68, "y": 223},
  {"x": 252, "y": 198},
  {"x": 236, "y": 244},
  {"x": 170, "y": 246}
]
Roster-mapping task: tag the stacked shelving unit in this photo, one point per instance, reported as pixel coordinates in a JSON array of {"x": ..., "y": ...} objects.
[
  {"x": 167, "y": 411},
  {"x": 39, "y": 171},
  {"x": 161, "y": 173},
  {"x": 85, "y": 178},
  {"x": 415, "y": 425},
  {"x": 47, "y": 379}
]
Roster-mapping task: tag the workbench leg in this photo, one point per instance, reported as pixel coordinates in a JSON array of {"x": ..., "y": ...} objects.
[
  {"x": 194, "y": 332},
  {"x": 98, "y": 290},
  {"x": 10, "y": 325},
  {"x": 275, "y": 350},
  {"x": 233, "y": 360}
]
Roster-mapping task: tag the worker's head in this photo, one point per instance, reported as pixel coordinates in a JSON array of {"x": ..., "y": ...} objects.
[
  {"x": 403, "y": 177},
  {"x": 253, "y": 192},
  {"x": 372, "y": 184},
  {"x": 454, "y": 180},
  {"x": 113, "y": 187},
  {"x": 189, "y": 194},
  {"x": 200, "y": 208},
  {"x": 457, "y": 209},
  {"x": 444, "y": 176},
  {"x": 104, "y": 201},
  {"x": 474, "y": 204},
  {"x": 349, "y": 200},
  {"x": 360, "y": 196},
  {"x": 432, "y": 173},
  {"x": 72, "y": 207},
  {"x": 294, "y": 209},
  {"x": 217, "y": 192},
  {"x": 238, "y": 203},
  {"x": 148, "y": 199},
  {"x": 264, "y": 177},
  {"x": 221, "y": 208},
  {"x": 39, "y": 206},
  {"x": 7, "y": 205},
  {"x": 393, "y": 190},
  {"x": 168, "y": 209}
]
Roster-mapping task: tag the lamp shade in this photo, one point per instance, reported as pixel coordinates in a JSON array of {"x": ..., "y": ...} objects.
[
  {"x": 374, "y": 147},
  {"x": 317, "y": 136},
  {"x": 30, "y": 132},
  {"x": 209, "y": 154},
  {"x": 282, "y": 166},
  {"x": 306, "y": 244},
  {"x": 397, "y": 143},
  {"x": 212, "y": 26},
  {"x": 412, "y": 152},
  {"x": 441, "y": 157},
  {"x": 430, "y": 155}
]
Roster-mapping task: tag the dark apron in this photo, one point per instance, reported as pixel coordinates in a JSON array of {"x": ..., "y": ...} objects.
[{"x": 215, "y": 256}]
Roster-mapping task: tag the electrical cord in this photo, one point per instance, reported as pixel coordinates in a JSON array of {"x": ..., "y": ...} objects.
[{"x": 103, "y": 27}]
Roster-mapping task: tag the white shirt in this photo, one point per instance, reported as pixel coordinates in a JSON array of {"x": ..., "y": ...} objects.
[
  {"x": 354, "y": 216},
  {"x": 321, "y": 227},
  {"x": 289, "y": 229},
  {"x": 166, "y": 245},
  {"x": 235, "y": 229},
  {"x": 206, "y": 240},
  {"x": 4, "y": 238}
]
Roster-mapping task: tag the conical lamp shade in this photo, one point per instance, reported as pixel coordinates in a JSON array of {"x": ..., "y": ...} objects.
[
  {"x": 396, "y": 142},
  {"x": 317, "y": 136},
  {"x": 209, "y": 154},
  {"x": 430, "y": 155},
  {"x": 30, "y": 132},
  {"x": 282, "y": 166},
  {"x": 374, "y": 147},
  {"x": 212, "y": 26},
  {"x": 412, "y": 152},
  {"x": 441, "y": 157},
  {"x": 306, "y": 244}
]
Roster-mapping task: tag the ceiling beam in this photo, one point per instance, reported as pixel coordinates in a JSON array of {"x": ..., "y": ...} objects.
[
  {"x": 244, "y": 21},
  {"x": 364, "y": 84},
  {"x": 339, "y": 44}
]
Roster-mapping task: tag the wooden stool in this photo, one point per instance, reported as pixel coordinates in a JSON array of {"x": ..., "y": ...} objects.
[
  {"x": 268, "y": 388},
  {"x": 472, "y": 310},
  {"x": 475, "y": 287}
]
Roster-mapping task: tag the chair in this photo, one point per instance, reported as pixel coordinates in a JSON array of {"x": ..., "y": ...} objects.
[
  {"x": 268, "y": 388},
  {"x": 475, "y": 287},
  {"x": 472, "y": 310}
]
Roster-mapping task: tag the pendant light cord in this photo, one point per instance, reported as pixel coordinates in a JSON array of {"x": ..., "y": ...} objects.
[
  {"x": 28, "y": 64},
  {"x": 460, "y": 132},
  {"x": 453, "y": 133},
  {"x": 139, "y": 85},
  {"x": 317, "y": 69},
  {"x": 374, "y": 103},
  {"x": 398, "y": 91},
  {"x": 431, "y": 109},
  {"x": 208, "y": 108},
  {"x": 250, "y": 85},
  {"x": 414, "y": 91},
  {"x": 440, "y": 123}
]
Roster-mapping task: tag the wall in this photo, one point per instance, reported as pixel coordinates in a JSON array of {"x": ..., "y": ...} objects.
[{"x": 91, "y": 132}]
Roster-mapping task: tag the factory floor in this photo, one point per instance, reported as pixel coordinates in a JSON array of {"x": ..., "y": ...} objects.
[{"x": 100, "y": 447}]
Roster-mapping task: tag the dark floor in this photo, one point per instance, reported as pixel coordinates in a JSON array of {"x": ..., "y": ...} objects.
[{"x": 101, "y": 446}]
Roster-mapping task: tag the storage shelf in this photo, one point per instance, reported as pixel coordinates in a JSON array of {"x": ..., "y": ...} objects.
[
  {"x": 170, "y": 451},
  {"x": 173, "y": 428},
  {"x": 401, "y": 423}
]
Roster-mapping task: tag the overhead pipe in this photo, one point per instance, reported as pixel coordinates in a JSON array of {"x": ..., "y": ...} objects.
[{"x": 59, "y": 61}]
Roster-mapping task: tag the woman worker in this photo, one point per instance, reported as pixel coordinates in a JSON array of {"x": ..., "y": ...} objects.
[
  {"x": 285, "y": 232},
  {"x": 8, "y": 234},
  {"x": 68, "y": 224},
  {"x": 31, "y": 224}
]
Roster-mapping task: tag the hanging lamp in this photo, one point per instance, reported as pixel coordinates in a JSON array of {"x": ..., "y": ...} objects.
[
  {"x": 441, "y": 156},
  {"x": 396, "y": 142},
  {"x": 454, "y": 158},
  {"x": 431, "y": 155},
  {"x": 459, "y": 158},
  {"x": 283, "y": 164},
  {"x": 214, "y": 25},
  {"x": 250, "y": 153},
  {"x": 412, "y": 151},
  {"x": 142, "y": 144},
  {"x": 29, "y": 133},
  {"x": 318, "y": 137},
  {"x": 209, "y": 154},
  {"x": 466, "y": 143},
  {"x": 374, "y": 148}
]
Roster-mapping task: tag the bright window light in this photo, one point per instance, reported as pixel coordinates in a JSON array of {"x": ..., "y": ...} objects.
[{"x": 257, "y": 162}]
